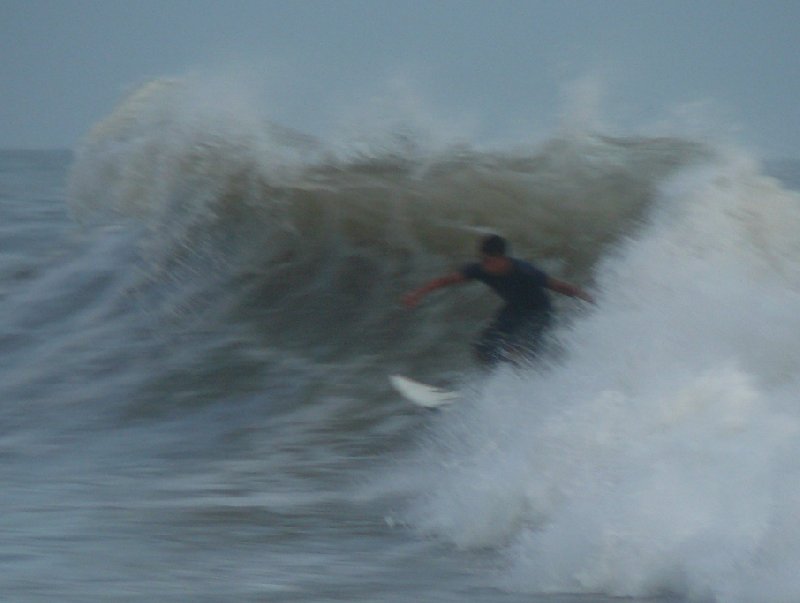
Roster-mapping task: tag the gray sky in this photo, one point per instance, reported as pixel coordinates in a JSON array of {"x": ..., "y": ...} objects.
[{"x": 731, "y": 67}]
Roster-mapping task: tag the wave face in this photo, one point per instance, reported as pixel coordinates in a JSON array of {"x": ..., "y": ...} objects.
[
  {"x": 325, "y": 236},
  {"x": 652, "y": 453}
]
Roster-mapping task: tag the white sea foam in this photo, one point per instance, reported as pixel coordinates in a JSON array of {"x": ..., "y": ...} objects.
[{"x": 659, "y": 454}]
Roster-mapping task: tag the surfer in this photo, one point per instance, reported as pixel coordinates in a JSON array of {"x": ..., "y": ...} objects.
[{"x": 517, "y": 328}]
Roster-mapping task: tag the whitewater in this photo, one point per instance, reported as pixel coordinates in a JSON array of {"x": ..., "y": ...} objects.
[{"x": 201, "y": 309}]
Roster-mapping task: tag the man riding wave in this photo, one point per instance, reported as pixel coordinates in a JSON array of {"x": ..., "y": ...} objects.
[{"x": 517, "y": 328}]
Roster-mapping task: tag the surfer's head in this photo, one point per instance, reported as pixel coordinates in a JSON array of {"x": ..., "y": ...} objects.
[
  {"x": 493, "y": 246},
  {"x": 493, "y": 255}
]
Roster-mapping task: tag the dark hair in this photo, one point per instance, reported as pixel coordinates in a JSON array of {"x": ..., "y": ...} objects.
[{"x": 493, "y": 245}]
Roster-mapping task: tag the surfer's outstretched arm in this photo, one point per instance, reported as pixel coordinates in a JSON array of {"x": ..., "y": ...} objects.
[
  {"x": 565, "y": 288},
  {"x": 413, "y": 298}
]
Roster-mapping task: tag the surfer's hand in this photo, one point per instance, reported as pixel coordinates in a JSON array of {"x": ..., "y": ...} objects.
[
  {"x": 412, "y": 299},
  {"x": 565, "y": 288}
]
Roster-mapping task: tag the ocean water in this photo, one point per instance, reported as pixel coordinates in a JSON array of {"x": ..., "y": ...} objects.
[{"x": 200, "y": 310}]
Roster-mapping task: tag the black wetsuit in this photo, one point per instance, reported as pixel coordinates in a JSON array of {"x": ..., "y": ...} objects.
[{"x": 517, "y": 327}]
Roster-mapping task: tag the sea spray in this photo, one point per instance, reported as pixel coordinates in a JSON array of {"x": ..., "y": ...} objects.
[{"x": 656, "y": 455}]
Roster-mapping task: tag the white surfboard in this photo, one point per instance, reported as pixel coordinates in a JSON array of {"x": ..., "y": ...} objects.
[{"x": 422, "y": 394}]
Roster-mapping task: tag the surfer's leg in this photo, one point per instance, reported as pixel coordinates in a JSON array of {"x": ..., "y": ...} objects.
[
  {"x": 488, "y": 347},
  {"x": 526, "y": 341},
  {"x": 491, "y": 346}
]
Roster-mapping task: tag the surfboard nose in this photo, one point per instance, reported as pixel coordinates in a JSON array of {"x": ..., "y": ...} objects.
[{"x": 422, "y": 394}]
